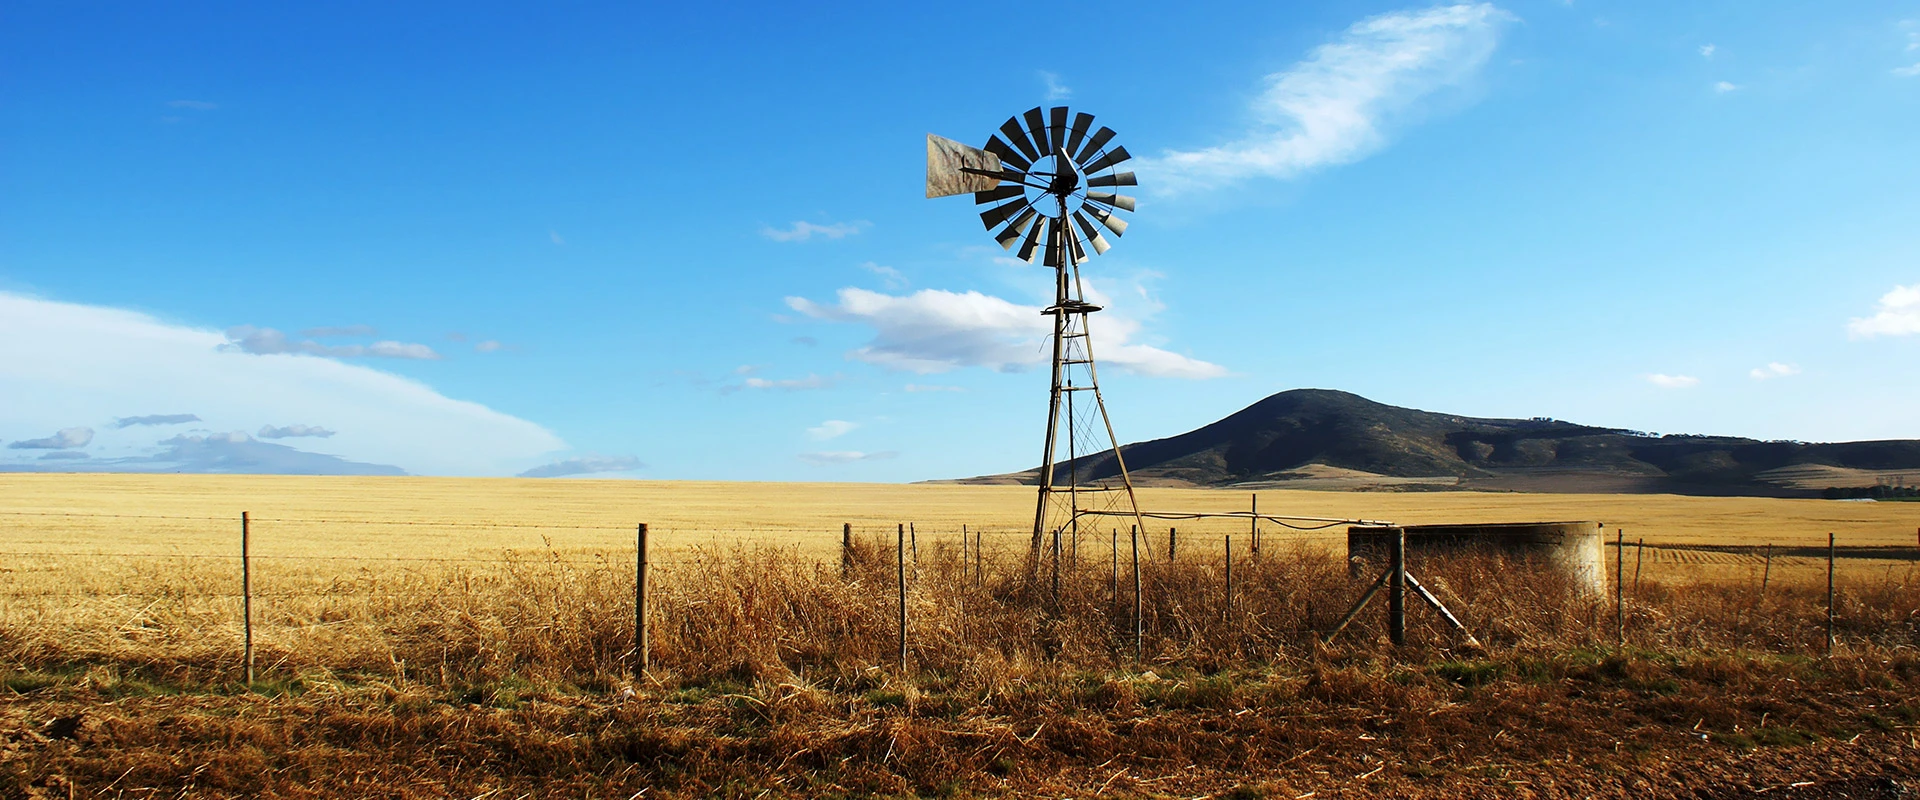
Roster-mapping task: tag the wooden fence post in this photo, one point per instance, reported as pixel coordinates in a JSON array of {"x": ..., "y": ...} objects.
[
  {"x": 1253, "y": 545},
  {"x": 1113, "y": 584},
  {"x": 846, "y": 550},
  {"x": 1619, "y": 587},
  {"x": 1139, "y": 627},
  {"x": 1639, "y": 557},
  {"x": 1056, "y": 570},
  {"x": 1829, "y": 594},
  {"x": 642, "y": 633},
  {"x": 979, "y": 559},
  {"x": 1397, "y": 588},
  {"x": 1766, "y": 573},
  {"x": 1227, "y": 610},
  {"x": 913, "y": 543},
  {"x": 1173, "y": 540},
  {"x": 963, "y": 555},
  {"x": 900, "y": 549},
  {"x": 246, "y": 593}
]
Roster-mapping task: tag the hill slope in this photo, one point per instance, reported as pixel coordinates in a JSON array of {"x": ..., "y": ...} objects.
[{"x": 1318, "y": 438}]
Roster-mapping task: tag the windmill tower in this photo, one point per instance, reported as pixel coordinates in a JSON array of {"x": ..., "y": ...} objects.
[{"x": 1049, "y": 187}]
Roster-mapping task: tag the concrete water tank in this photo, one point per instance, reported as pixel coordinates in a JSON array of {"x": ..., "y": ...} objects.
[{"x": 1575, "y": 549}]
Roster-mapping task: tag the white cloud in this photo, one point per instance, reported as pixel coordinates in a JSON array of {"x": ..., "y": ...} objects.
[
  {"x": 267, "y": 341},
  {"x": 845, "y": 456},
  {"x": 802, "y": 231},
  {"x": 932, "y": 331},
  {"x": 1334, "y": 107},
  {"x": 889, "y": 275},
  {"x": 340, "y": 330},
  {"x": 488, "y": 346},
  {"x": 1908, "y": 72},
  {"x": 925, "y": 387},
  {"x": 1055, "y": 89},
  {"x": 1706, "y": 50},
  {"x": 584, "y": 465},
  {"x": 292, "y": 431},
  {"x": 64, "y": 362},
  {"x": 831, "y": 429},
  {"x": 156, "y": 419},
  {"x": 1723, "y": 87},
  {"x": 555, "y": 237},
  {"x": 1673, "y": 381},
  {"x": 1898, "y": 314},
  {"x": 65, "y": 439},
  {"x": 1773, "y": 370},
  {"x": 812, "y": 381}
]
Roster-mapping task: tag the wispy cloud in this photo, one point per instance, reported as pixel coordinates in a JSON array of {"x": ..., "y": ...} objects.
[
  {"x": 888, "y": 275},
  {"x": 1706, "y": 51},
  {"x": 488, "y": 346},
  {"x": 267, "y": 341},
  {"x": 1723, "y": 87},
  {"x": 584, "y": 465},
  {"x": 1336, "y": 106},
  {"x": 325, "y": 331},
  {"x": 155, "y": 419},
  {"x": 846, "y": 456},
  {"x": 1673, "y": 381},
  {"x": 831, "y": 429},
  {"x": 932, "y": 331},
  {"x": 1056, "y": 90},
  {"x": 293, "y": 431},
  {"x": 802, "y": 231},
  {"x": 928, "y": 387},
  {"x": 65, "y": 439},
  {"x": 195, "y": 105},
  {"x": 812, "y": 381},
  {"x": 1907, "y": 72},
  {"x": 1773, "y": 370},
  {"x": 554, "y": 236},
  {"x": 1897, "y": 314}
]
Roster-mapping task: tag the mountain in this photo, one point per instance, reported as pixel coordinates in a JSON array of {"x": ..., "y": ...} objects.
[{"x": 1324, "y": 439}]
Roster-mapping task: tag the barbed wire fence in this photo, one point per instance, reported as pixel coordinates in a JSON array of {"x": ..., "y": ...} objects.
[{"x": 192, "y": 582}]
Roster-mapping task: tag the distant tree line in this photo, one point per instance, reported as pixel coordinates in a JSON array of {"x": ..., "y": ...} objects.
[{"x": 1871, "y": 493}]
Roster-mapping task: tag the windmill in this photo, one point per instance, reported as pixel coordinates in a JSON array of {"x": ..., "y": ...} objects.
[{"x": 1049, "y": 188}]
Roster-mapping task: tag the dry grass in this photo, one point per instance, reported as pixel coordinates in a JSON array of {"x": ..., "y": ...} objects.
[{"x": 505, "y": 666}]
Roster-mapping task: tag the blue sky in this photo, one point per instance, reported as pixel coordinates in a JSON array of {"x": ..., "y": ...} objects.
[{"x": 690, "y": 241}]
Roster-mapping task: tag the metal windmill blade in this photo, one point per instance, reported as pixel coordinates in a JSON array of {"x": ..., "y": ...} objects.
[{"x": 1047, "y": 188}]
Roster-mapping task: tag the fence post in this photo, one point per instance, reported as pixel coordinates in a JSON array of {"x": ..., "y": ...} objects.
[
  {"x": 643, "y": 567},
  {"x": 846, "y": 550},
  {"x": 1228, "y": 608},
  {"x": 1619, "y": 587},
  {"x": 1056, "y": 570},
  {"x": 979, "y": 559},
  {"x": 913, "y": 543},
  {"x": 1397, "y": 588},
  {"x": 1766, "y": 573},
  {"x": 963, "y": 556},
  {"x": 1113, "y": 584},
  {"x": 1829, "y": 594},
  {"x": 1253, "y": 533},
  {"x": 1639, "y": 556},
  {"x": 1139, "y": 628},
  {"x": 900, "y": 548},
  {"x": 246, "y": 593},
  {"x": 1173, "y": 540}
]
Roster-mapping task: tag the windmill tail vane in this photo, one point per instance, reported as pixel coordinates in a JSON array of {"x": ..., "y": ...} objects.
[{"x": 1048, "y": 186}]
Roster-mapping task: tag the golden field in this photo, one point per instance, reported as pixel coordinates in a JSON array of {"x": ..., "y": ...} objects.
[{"x": 323, "y": 515}]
